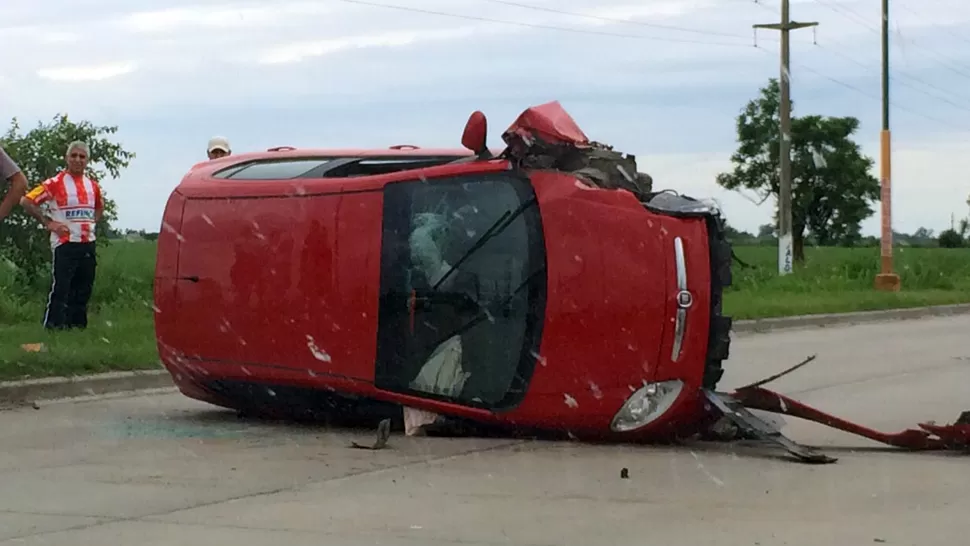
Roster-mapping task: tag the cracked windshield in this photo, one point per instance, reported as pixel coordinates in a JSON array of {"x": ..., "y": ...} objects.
[{"x": 484, "y": 272}]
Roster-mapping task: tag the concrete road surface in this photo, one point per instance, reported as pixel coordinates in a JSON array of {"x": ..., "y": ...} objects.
[{"x": 161, "y": 469}]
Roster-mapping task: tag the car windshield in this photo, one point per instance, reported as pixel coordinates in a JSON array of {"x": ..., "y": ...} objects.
[{"x": 461, "y": 266}]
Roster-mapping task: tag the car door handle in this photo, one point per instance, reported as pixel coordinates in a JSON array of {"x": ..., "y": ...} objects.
[
  {"x": 191, "y": 278},
  {"x": 684, "y": 299}
]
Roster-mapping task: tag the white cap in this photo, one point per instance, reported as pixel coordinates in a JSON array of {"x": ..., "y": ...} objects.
[{"x": 219, "y": 143}]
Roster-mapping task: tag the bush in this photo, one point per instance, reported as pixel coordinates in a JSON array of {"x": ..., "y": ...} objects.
[{"x": 950, "y": 238}]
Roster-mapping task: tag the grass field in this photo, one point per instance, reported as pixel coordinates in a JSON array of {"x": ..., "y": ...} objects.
[
  {"x": 120, "y": 332},
  {"x": 120, "y": 335},
  {"x": 837, "y": 280}
]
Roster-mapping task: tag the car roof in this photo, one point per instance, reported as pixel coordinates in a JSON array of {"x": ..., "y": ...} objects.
[
  {"x": 207, "y": 170},
  {"x": 393, "y": 151},
  {"x": 209, "y": 166}
]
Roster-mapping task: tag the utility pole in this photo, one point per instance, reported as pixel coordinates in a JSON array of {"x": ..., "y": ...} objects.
[
  {"x": 784, "y": 155},
  {"x": 886, "y": 280}
]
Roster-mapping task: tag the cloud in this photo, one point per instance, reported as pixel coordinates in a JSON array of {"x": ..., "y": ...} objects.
[
  {"x": 227, "y": 16},
  {"x": 89, "y": 73},
  {"x": 609, "y": 15},
  {"x": 301, "y": 51},
  {"x": 171, "y": 73},
  {"x": 526, "y": 20}
]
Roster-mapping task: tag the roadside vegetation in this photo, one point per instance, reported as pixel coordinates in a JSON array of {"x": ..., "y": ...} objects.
[
  {"x": 121, "y": 335},
  {"x": 840, "y": 280}
]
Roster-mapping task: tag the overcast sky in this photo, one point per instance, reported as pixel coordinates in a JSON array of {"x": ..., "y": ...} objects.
[{"x": 662, "y": 79}]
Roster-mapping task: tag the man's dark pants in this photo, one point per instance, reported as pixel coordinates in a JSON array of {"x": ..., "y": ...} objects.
[{"x": 74, "y": 269}]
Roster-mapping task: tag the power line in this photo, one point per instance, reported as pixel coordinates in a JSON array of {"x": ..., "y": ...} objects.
[
  {"x": 763, "y": 6},
  {"x": 956, "y": 66},
  {"x": 877, "y": 98},
  {"x": 630, "y": 36},
  {"x": 615, "y": 20},
  {"x": 941, "y": 59},
  {"x": 859, "y": 19},
  {"x": 854, "y": 16},
  {"x": 539, "y": 25},
  {"x": 941, "y": 27},
  {"x": 867, "y": 94},
  {"x": 849, "y": 14},
  {"x": 899, "y": 74}
]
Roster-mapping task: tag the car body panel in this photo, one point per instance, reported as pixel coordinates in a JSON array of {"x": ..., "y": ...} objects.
[
  {"x": 594, "y": 296},
  {"x": 272, "y": 285},
  {"x": 276, "y": 283},
  {"x": 260, "y": 292},
  {"x": 257, "y": 297},
  {"x": 692, "y": 234}
]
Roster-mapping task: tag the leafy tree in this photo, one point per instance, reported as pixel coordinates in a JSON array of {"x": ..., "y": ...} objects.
[
  {"x": 923, "y": 234},
  {"x": 832, "y": 189},
  {"x": 766, "y": 231},
  {"x": 955, "y": 238},
  {"x": 951, "y": 238},
  {"x": 736, "y": 235},
  {"x": 40, "y": 154}
]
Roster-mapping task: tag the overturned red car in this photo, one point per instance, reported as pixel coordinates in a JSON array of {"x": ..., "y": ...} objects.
[{"x": 543, "y": 287}]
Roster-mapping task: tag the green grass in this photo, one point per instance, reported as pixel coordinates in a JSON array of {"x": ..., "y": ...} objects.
[
  {"x": 120, "y": 335},
  {"x": 838, "y": 280}
]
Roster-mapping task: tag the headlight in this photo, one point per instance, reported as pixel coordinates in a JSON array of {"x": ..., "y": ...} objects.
[{"x": 646, "y": 405}]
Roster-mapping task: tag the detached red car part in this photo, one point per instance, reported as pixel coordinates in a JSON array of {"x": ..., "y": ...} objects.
[{"x": 546, "y": 287}]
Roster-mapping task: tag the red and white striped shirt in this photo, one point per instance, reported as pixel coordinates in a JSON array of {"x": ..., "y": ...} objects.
[{"x": 72, "y": 201}]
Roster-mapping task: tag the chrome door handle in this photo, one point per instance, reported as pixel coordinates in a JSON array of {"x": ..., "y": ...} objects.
[{"x": 684, "y": 299}]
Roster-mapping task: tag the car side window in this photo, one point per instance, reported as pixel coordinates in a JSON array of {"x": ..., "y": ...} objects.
[
  {"x": 273, "y": 170},
  {"x": 462, "y": 287}
]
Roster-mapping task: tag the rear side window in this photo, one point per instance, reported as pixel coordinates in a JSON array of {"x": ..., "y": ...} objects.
[
  {"x": 328, "y": 167},
  {"x": 274, "y": 170},
  {"x": 375, "y": 166}
]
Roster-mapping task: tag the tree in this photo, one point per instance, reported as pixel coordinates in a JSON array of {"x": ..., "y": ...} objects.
[
  {"x": 735, "y": 235},
  {"x": 832, "y": 189},
  {"x": 923, "y": 234},
  {"x": 951, "y": 238},
  {"x": 955, "y": 238},
  {"x": 40, "y": 154},
  {"x": 766, "y": 231}
]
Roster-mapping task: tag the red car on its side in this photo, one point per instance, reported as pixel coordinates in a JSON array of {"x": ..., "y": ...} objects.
[
  {"x": 548, "y": 287},
  {"x": 495, "y": 289}
]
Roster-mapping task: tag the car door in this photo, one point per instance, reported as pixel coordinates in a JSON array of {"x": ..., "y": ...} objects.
[{"x": 284, "y": 282}]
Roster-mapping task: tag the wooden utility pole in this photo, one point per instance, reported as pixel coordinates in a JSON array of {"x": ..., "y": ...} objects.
[
  {"x": 784, "y": 153},
  {"x": 886, "y": 279}
]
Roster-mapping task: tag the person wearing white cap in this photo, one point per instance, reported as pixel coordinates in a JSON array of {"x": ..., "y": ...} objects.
[{"x": 218, "y": 147}]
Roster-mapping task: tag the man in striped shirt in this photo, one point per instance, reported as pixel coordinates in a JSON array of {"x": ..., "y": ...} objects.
[{"x": 69, "y": 205}]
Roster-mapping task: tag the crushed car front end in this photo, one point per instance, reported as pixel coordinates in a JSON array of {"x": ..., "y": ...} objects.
[
  {"x": 641, "y": 275},
  {"x": 696, "y": 338}
]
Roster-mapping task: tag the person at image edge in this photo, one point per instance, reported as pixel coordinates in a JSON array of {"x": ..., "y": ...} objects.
[
  {"x": 11, "y": 173},
  {"x": 69, "y": 205}
]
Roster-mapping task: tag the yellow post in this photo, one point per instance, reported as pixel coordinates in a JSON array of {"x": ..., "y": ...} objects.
[{"x": 886, "y": 280}]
